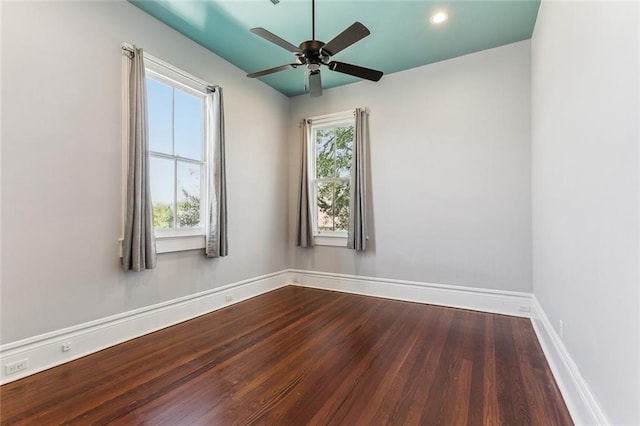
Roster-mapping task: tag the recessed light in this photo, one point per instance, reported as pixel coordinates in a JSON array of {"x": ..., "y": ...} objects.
[{"x": 439, "y": 17}]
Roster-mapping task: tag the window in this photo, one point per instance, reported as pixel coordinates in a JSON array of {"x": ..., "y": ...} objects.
[
  {"x": 177, "y": 111},
  {"x": 331, "y": 149}
]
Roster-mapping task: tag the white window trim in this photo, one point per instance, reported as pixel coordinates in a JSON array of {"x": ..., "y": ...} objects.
[
  {"x": 169, "y": 244},
  {"x": 173, "y": 240},
  {"x": 325, "y": 238},
  {"x": 330, "y": 240}
]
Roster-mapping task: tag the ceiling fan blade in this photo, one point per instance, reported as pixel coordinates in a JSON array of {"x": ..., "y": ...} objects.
[
  {"x": 267, "y": 35},
  {"x": 352, "y": 34},
  {"x": 355, "y": 70},
  {"x": 315, "y": 84},
  {"x": 271, "y": 70}
]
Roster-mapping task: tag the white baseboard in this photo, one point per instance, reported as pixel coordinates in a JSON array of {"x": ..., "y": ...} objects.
[
  {"x": 581, "y": 403},
  {"x": 45, "y": 351},
  {"x": 477, "y": 299}
]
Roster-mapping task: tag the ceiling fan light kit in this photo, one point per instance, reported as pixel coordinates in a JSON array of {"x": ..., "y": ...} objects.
[{"x": 315, "y": 53}]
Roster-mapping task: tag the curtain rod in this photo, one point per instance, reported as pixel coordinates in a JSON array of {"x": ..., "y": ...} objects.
[
  {"x": 336, "y": 114},
  {"x": 327, "y": 117},
  {"x": 129, "y": 50}
]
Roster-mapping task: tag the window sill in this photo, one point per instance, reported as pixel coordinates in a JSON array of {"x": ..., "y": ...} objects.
[
  {"x": 177, "y": 243},
  {"x": 331, "y": 241},
  {"x": 181, "y": 243}
]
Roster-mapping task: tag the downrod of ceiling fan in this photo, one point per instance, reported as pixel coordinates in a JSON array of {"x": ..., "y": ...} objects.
[{"x": 313, "y": 19}]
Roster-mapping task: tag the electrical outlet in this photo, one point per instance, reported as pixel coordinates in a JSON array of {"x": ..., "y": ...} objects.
[
  {"x": 16, "y": 367},
  {"x": 66, "y": 346},
  {"x": 524, "y": 308},
  {"x": 229, "y": 298},
  {"x": 561, "y": 329}
]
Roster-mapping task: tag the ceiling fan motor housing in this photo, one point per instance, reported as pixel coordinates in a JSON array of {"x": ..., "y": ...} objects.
[{"x": 312, "y": 51}]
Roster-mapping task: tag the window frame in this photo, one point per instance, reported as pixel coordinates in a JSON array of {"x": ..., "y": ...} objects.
[
  {"x": 151, "y": 70},
  {"x": 188, "y": 238},
  {"x": 341, "y": 119}
]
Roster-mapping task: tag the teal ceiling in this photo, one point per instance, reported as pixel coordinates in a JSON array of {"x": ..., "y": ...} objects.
[{"x": 401, "y": 35}]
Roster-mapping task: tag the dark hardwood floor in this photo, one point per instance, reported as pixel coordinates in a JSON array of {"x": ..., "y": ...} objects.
[{"x": 302, "y": 356}]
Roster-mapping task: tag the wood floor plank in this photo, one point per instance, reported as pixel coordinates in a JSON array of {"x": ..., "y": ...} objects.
[
  {"x": 490, "y": 415},
  {"x": 475, "y": 352},
  {"x": 304, "y": 356}
]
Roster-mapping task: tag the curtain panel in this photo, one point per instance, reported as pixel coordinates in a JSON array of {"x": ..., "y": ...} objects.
[
  {"x": 357, "y": 232},
  {"x": 138, "y": 245},
  {"x": 304, "y": 227},
  {"x": 217, "y": 244}
]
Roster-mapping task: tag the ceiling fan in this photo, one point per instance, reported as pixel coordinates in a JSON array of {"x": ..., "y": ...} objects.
[{"x": 315, "y": 53}]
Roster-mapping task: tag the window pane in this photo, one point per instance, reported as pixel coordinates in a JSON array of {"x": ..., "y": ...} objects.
[
  {"x": 325, "y": 164},
  {"x": 341, "y": 206},
  {"x": 162, "y": 191},
  {"x": 188, "y": 195},
  {"x": 333, "y": 206},
  {"x": 325, "y": 206},
  {"x": 188, "y": 122},
  {"x": 344, "y": 150},
  {"x": 160, "y": 111},
  {"x": 334, "y": 149}
]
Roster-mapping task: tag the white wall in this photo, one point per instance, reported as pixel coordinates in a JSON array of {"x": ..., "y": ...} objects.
[
  {"x": 585, "y": 95},
  {"x": 450, "y": 161},
  {"x": 61, "y": 168}
]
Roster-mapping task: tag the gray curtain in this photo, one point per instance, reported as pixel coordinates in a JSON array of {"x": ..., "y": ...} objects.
[
  {"x": 357, "y": 234},
  {"x": 304, "y": 230},
  {"x": 217, "y": 243},
  {"x": 138, "y": 245}
]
